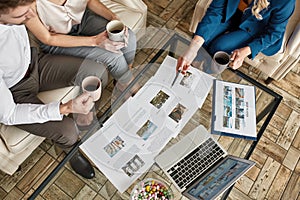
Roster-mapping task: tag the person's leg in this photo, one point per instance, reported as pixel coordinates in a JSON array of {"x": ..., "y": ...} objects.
[
  {"x": 130, "y": 50},
  {"x": 93, "y": 24},
  {"x": 220, "y": 30},
  {"x": 117, "y": 64},
  {"x": 63, "y": 133},
  {"x": 58, "y": 71},
  {"x": 229, "y": 42}
]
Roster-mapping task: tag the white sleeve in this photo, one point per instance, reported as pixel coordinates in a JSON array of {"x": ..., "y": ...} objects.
[{"x": 13, "y": 114}]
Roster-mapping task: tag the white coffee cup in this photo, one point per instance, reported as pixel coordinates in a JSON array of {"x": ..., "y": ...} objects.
[
  {"x": 92, "y": 85},
  {"x": 220, "y": 61},
  {"x": 115, "y": 30}
]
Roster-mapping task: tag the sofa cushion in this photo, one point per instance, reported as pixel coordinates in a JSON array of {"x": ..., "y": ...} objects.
[
  {"x": 16, "y": 140},
  {"x": 131, "y": 17}
]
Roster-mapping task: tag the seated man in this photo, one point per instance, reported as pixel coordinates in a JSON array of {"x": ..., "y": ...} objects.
[{"x": 24, "y": 73}]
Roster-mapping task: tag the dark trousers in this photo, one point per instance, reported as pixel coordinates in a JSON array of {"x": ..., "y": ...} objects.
[
  {"x": 49, "y": 72},
  {"x": 228, "y": 36}
]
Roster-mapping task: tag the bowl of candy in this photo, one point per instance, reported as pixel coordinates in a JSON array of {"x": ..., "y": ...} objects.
[{"x": 151, "y": 189}]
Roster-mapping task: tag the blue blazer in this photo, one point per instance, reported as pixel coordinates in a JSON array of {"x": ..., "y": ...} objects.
[{"x": 267, "y": 33}]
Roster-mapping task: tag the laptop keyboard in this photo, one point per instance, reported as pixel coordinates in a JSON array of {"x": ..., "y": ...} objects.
[{"x": 196, "y": 162}]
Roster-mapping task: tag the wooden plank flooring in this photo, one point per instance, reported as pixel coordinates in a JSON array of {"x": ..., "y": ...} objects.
[{"x": 275, "y": 176}]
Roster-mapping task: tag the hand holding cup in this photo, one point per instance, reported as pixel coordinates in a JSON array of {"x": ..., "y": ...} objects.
[{"x": 116, "y": 30}]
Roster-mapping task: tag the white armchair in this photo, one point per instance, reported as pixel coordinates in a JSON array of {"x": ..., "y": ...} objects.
[
  {"x": 15, "y": 144},
  {"x": 278, "y": 65}
]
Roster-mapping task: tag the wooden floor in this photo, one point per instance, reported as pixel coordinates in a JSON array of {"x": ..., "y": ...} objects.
[{"x": 275, "y": 176}]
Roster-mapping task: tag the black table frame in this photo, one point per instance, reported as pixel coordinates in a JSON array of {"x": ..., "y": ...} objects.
[{"x": 267, "y": 112}]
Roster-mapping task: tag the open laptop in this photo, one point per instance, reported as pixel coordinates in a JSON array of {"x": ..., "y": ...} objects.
[{"x": 199, "y": 166}]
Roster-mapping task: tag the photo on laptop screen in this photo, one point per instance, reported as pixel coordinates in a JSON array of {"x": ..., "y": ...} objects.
[{"x": 218, "y": 179}]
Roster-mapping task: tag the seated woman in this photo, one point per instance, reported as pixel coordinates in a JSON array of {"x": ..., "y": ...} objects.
[
  {"x": 78, "y": 29},
  {"x": 241, "y": 28}
]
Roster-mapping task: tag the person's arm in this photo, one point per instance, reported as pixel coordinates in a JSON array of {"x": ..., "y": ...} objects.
[
  {"x": 238, "y": 57},
  {"x": 214, "y": 15},
  {"x": 97, "y": 7},
  {"x": 275, "y": 28},
  {"x": 190, "y": 54},
  {"x": 273, "y": 32},
  {"x": 42, "y": 33},
  {"x": 55, "y": 39},
  {"x": 14, "y": 114}
]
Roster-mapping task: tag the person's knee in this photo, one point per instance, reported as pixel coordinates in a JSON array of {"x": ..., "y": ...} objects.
[
  {"x": 132, "y": 39},
  {"x": 130, "y": 50},
  {"x": 118, "y": 65},
  {"x": 92, "y": 68},
  {"x": 216, "y": 46},
  {"x": 66, "y": 133}
]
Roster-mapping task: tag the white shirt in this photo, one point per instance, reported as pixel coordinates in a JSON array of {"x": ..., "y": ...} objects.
[
  {"x": 60, "y": 19},
  {"x": 14, "y": 62}
]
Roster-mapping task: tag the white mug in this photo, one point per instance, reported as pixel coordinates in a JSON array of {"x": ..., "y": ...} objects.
[
  {"x": 115, "y": 30},
  {"x": 92, "y": 85},
  {"x": 221, "y": 60}
]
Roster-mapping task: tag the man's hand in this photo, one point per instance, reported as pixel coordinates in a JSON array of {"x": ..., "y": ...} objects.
[
  {"x": 238, "y": 57},
  {"x": 188, "y": 57},
  {"x": 104, "y": 42},
  {"x": 81, "y": 104}
]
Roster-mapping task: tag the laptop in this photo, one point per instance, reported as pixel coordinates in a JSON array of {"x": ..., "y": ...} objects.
[{"x": 200, "y": 167}]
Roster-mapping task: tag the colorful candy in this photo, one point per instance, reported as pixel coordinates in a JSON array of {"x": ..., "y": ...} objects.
[{"x": 151, "y": 190}]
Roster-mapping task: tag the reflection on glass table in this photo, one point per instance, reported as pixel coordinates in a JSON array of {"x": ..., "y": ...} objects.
[{"x": 266, "y": 103}]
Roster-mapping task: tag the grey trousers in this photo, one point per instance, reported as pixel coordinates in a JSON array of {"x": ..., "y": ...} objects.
[
  {"x": 117, "y": 64},
  {"x": 49, "y": 72}
]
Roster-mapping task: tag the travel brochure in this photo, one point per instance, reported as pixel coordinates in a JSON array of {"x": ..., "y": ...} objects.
[
  {"x": 125, "y": 147},
  {"x": 234, "y": 111}
]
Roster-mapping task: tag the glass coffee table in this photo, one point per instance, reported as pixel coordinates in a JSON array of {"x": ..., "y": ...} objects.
[{"x": 64, "y": 183}]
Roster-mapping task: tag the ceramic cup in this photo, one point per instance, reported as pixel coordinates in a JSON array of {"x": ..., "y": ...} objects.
[
  {"x": 221, "y": 60},
  {"x": 115, "y": 30},
  {"x": 92, "y": 85}
]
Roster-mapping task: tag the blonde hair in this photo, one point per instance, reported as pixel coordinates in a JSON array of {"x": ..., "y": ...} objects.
[{"x": 258, "y": 6}]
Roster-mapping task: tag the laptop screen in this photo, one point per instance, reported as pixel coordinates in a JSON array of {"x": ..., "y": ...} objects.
[{"x": 218, "y": 179}]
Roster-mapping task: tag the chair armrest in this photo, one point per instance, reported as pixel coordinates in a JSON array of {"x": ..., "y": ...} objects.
[
  {"x": 199, "y": 12},
  {"x": 136, "y": 4},
  {"x": 293, "y": 46}
]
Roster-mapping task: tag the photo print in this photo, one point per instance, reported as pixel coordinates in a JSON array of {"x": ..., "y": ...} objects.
[
  {"x": 227, "y": 122},
  {"x": 239, "y": 92},
  {"x": 177, "y": 112},
  {"x": 239, "y": 123},
  {"x": 160, "y": 98},
  {"x": 240, "y": 113},
  {"x": 187, "y": 80},
  {"x": 227, "y": 107},
  {"x": 133, "y": 165},
  {"x": 146, "y": 130},
  {"x": 114, "y": 146}
]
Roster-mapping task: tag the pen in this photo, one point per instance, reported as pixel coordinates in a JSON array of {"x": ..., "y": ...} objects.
[{"x": 177, "y": 73}]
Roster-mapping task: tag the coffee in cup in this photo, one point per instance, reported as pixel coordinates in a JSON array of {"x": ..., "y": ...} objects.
[
  {"x": 92, "y": 85},
  {"x": 115, "y": 30},
  {"x": 221, "y": 60}
]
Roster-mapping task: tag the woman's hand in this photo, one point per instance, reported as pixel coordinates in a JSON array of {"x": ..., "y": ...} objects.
[
  {"x": 238, "y": 56},
  {"x": 188, "y": 57},
  {"x": 104, "y": 42}
]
